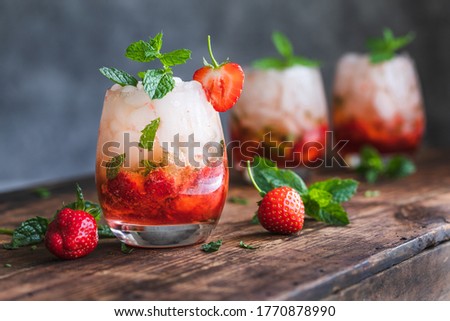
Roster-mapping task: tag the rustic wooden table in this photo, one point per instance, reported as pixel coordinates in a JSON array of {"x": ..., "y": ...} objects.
[{"x": 396, "y": 247}]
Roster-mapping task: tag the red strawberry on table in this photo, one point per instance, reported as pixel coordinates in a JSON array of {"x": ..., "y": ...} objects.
[
  {"x": 72, "y": 234},
  {"x": 222, "y": 83},
  {"x": 282, "y": 211}
]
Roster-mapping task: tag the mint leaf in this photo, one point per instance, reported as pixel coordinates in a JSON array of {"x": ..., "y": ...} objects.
[
  {"x": 113, "y": 166},
  {"x": 399, "y": 166},
  {"x": 141, "y": 51},
  {"x": 302, "y": 61},
  {"x": 148, "y": 135},
  {"x": 42, "y": 192},
  {"x": 282, "y": 44},
  {"x": 212, "y": 246},
  {"x": 333, "y": 214},
  {"x": 104, "y": 231},
  {"x": 247, "y": 246},
  {"x": 125, "y": 249},
  {"x": 30, "y": 232},
  {"x": 269, "y": 63},
  {"x": 81, "y": 204},
  {"x": 118, "y": 76},
  {"x": 266, "y": 176},
  {"x": 384, "y": 48},
  {"x": 158, "y": 82},
  {"x": 156, "y": 41},
  {"x": 341, "y": 190},
  {"x": 176, "y": 57},
  {"x": 322, "y": 198},
  {"x": 371, "y": 165},
  {"x": 284, "y": 48},
  {"x": 255, "y": 219}
]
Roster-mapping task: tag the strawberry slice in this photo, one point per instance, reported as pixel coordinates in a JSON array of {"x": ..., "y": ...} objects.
[{"x": 222, "y": 83}]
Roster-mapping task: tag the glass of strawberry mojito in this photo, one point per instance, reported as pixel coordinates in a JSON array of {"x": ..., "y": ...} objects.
[
  {"x": 377, "y": 98},
  {"x": 161, "y": 172}
]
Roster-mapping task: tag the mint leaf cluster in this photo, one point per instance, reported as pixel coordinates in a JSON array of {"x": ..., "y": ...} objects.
[
  {"x": 384, "y": 48},
  {"x": 157, "y": 82},
  {"x": 148, "y": 134},
  {"x": 32, "y": 231},
  {"x": 372, "y": 166},
  {"x": 322, "y": 200},
  {"x": 287, "y": 59}
]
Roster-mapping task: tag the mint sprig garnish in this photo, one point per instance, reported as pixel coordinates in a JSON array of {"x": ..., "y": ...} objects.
[
  {"x": 372, "y": 166},
  {"x": 148, "y": 134},
  {"x": 286, "y": 51},
  {"x": 384, "y": 48},
  {"x": 322, "y": 200},
  {"x": 32, "y": 231},
  {"x": 247, "y": 246},
  {"x": 157, "y": 82}
]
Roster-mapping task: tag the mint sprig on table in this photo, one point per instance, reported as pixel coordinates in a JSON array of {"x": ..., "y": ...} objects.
[
  {"x": 212, "y": 246},
  {"x": 322, "y": 200},
  {"x": 32, "y": 231},
  {"x": 384, "y": 48},
  {"x": 372, "y": 166},
  {"x": 287, "y": 59},
  {"x": 157, "y": 82}
]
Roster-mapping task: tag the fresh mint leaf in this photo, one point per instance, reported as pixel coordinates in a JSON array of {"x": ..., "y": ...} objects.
[
  {"x": 255, "y": 219},
  {"x": 141, "y": 51},
  {"x": 212, "y": 246},
  {"x": 384, "y": 48},
  {"x": 42, "y": 192},
  {"x": 238, "y": 200},
  {"x": 104, "y": 231},
  {"x": 113, "y": 166},
  {"x": 125, "y": 249},
  {"x": 30, "y": 232},
  {"x": 158, "y": 82},
  {"x": 371, "y": 165},
  {"x": 269, "y": 63},
  {"x": 321, "y": 197},
  {"x": 148, "y": 134},
  {"x": 267, "y": 176},
  {"x": 156, "y": 41},
  {"x": 285, "y": 49},
  {"x": 149, "y": 166},
  {"x": 333, "y": 214},
  {"x": 247, "y": 246},
  {"x": 176, "y": 57},
  {"x": 282, "y": 44},
  {"x": 302, "y": 61},
  {"x": 118, "y": 76},
  {"x": 399, "y": 166},
  {"x": 341, "y": 190}
]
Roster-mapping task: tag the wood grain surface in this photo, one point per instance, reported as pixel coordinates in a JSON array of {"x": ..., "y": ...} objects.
[{"x": 394, "y": 248}]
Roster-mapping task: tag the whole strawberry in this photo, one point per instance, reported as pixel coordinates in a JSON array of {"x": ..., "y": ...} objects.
[
  {"x": 282, "y": 211},
  {"x": 72, "y": 234},
  {"x": 222, "y": 83}
]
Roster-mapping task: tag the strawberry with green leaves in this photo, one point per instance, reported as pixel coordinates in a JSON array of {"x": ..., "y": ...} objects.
[
  {"x": 286, "y": 197},
  {"x": 222, "y": 83}
]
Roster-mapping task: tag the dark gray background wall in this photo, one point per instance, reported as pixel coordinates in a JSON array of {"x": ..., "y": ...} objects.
[{"x": 50, "y": 51}]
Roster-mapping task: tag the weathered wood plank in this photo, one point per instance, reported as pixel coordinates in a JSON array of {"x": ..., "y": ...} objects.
[{"x": 409, "y": 216}]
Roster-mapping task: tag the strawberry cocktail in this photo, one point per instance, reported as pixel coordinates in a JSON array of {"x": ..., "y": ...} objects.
[
  {"x": 377, "y": 99},
  {"x": 161, "y": 173},
  {"x": 282, "y": 114}
]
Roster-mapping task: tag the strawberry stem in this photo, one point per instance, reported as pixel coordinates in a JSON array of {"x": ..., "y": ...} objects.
[
  {"x": 214, "y": 62},
  {"x": 250, "y": 175},
  {"x": 6, "y": 231}
]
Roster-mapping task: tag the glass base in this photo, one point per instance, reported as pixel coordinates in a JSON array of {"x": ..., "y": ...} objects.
[{"x": 161, "y": 236}]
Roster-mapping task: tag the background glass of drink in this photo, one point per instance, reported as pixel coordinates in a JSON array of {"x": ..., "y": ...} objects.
[{"x": 378, "y": 104}]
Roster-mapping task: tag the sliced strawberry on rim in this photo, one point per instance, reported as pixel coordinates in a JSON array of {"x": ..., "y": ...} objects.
[{"x": 222, "y": 83}]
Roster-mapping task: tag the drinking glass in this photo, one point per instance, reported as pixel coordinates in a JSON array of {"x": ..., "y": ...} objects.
[{"x": 173, "y": 193}]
